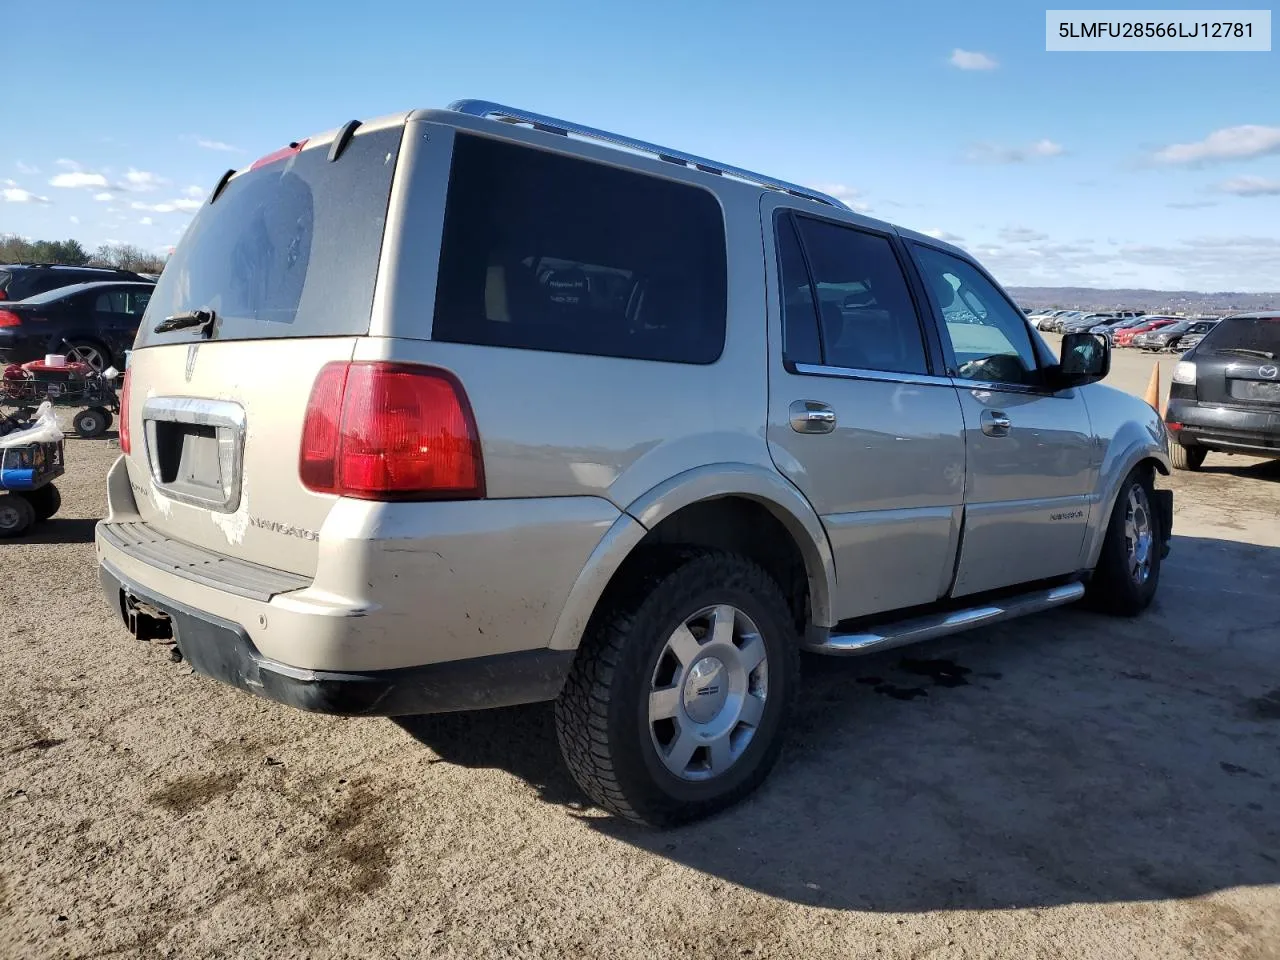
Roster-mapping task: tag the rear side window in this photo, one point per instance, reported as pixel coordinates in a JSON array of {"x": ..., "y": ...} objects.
[
  {"x": 547, "y": 252},
  {"x": 288, "y": 250}
]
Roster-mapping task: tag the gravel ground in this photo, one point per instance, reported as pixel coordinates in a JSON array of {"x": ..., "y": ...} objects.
[{"x": 1064, "y": 786}]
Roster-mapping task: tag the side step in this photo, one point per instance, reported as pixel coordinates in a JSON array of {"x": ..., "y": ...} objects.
[{"x": 889, "y": 635}]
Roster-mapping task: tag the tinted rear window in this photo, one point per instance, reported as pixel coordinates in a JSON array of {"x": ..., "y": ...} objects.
[
  {"x": 1245, "y": 333},
  {"x": 288, "y": 250},
  {"x": 547, "y": 252}
]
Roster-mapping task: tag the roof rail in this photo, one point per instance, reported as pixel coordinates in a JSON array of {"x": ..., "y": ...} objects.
[{"x": 496, "y": 111}]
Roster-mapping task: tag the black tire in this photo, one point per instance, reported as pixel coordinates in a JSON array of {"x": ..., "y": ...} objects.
[
  {"x": 45, "y": 502},
  {"x": 91, "y": 423},
  {"x": 1186, "y": 458},
  {"x": 602, "y": 718},
  {"x": 88, "y": 351},
  {"x": 1114, "y": 588},
  {"x": 16, "y": 515}
]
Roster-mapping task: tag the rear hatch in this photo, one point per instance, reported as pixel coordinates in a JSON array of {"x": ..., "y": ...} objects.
[
  {"x": 1239, "y": 363},
  {"x": 284, "y": 257}
]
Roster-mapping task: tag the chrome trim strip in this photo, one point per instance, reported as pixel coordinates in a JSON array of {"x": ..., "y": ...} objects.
[
  {"x": 905, "y": 632},
  {"x": 486, "y": 109},
  {"x": 852, "y": 373},
  {"x": 226, "y": 417}
]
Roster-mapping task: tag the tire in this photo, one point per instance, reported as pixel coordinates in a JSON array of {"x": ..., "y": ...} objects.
[
  {"x": 1121, "y": 585},
  {"x": 91, "y": 422},
  {"x": 1186, "y": 458},
  {"x": 16, "y": 515},
  {"x": 624, "y": 758},
  {"x": 45, "y": 501},
  {"x": 90, "y": 352}
]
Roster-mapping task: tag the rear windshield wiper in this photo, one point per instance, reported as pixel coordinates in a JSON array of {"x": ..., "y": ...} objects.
[
  {"x": 184, "y": 321},
  {"x": 1264, "y": 354}
]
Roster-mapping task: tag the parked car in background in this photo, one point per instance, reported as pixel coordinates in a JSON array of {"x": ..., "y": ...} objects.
[
  {"x": 1109, "y": 329},
  {"x": 1225, "y": 394},
  {"x": 1188, "y": 340},
  {"x": 1057, "y": 323},
  {"x": 94, "y": 323},
  {"x": 1086, "y": 323},
  {"x": 352, "y": 502},
  {"x": 1168, "y": 337},
  {"x": 21, "y": 280},
  {"x": 1124, "y": 337}
]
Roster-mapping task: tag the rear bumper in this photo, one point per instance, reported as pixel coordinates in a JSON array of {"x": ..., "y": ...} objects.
[
  {"x": 1222, "y": 427},
  {"x": 222, "y": 650}
]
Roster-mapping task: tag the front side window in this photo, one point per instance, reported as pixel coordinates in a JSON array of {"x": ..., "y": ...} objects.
[
  {"x": 547, "y": 252},
  {"x": 866, "y": 316},
  {"x": 989, "y": 337}
]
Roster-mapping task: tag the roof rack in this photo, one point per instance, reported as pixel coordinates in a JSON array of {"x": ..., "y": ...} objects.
[{"x": 496, "y": 111}]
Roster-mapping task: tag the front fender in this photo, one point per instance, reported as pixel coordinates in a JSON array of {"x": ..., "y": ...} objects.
[
  {"x": 706, "y": 482},
  {"x": 1133, "y": 442}
]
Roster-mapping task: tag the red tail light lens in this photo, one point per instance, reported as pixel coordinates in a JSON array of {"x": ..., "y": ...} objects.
[
  {"x": 125, "y": 443},
  {"x": 9, "y": 319},
  {"x": 388, "y": 431}
]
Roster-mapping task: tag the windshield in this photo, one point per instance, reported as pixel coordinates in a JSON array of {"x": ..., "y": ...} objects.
[
  {"x": 288, "y": 250},
  {"x": 1244, "y": 333}
]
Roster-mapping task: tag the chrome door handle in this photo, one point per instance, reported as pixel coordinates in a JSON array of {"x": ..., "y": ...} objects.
[
  {"x": 995, "y": 423},
  {"x": 812, "y": 416}
]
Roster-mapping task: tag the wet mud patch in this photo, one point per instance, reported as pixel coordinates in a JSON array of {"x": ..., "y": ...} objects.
[{"x": 943, "y": 673}]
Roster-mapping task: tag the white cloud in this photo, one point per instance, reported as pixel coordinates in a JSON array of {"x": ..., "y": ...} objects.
[
  {"x": 1229, "y": 143},
  {"x": 187, "y": 204},
  {"x": 1251, "y": 187},
  {"x": 939, "y": 234},
  {"x": 999, "y": 153},
  {"x": 1191, "y": 204},
  {"x": 194, "y": 191},
  {"x": 849, "y": 196},
  {"x": 217, "y": 145},
  {"x": 26, "y": 167},
  {"x": 67, "y": 164},
  {"x": 104, "y": 196},
  {"x": 153, "y": 207},
  {"x": 142, "y": 181},
  {"x": 78, "y": 179},
  {"x": 184, "y": 204},
  {"x": 971, "y": 60},
  {"x": 145, "y": 221},
  {"x": 18, "y": 195},
  {"x": 75, "y": 219},
  {"x": 1022, "y": 235}
]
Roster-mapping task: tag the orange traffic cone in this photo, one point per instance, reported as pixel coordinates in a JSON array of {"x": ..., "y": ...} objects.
[{"x": 1152, "y": 395}]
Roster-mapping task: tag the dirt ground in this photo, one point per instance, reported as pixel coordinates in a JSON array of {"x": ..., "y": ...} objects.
[{"x": 1065, "y": 786}]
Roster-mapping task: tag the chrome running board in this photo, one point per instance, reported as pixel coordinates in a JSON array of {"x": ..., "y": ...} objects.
[{"x": 889, "y": 635}]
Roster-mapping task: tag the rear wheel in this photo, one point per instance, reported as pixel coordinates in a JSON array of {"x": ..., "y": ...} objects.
[
  {"x": 676, "y": 705},
  {"x": 87, "y": 351},
  {"x": 1187, "y": 458},
  {"x": 1124, "y": 581},
  {"x": 45, "y": 502},
  {"x": 16, "y": 515},
  {"x": 92, "y": 422}
]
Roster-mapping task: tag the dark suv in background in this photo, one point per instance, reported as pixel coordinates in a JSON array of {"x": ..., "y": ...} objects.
[
  {"x": 1225, "y": 394},
  {"x": 21, "y": 280}
]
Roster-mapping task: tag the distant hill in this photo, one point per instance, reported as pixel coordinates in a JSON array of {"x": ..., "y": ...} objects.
[{"x": 1165, "y": 301}]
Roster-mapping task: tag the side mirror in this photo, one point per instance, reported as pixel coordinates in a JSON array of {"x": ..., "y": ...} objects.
[{"x": 1084, "y": 358}]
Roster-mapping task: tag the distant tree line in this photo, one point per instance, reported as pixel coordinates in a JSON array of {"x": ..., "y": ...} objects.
[{"x": 125, "y": 256}]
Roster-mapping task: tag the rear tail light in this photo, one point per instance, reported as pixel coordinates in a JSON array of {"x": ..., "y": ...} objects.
[
  {"x": 390, "y": 431},
  {"x": 8, "y": 318},
  {"x": 1173, "y": 426},
  {"x": 125, "y": 444},
  {"x": 1185, "y": 372}
]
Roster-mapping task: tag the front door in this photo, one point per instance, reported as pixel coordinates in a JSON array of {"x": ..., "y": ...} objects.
[
  {"x": 860, "y": 417},
  {"x": 1031, "y": 459}
]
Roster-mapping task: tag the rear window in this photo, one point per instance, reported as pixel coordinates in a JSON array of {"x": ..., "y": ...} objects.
[
  {"x": 547, "y": 252},
  {"x": 288, "y": 250},
  {"x": 1260, "y": 334}
]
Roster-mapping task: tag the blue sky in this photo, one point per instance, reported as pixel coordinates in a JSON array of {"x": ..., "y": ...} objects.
[{"x": 1098, "y": 169}]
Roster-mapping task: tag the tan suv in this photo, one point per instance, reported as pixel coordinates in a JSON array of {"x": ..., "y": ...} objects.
[{"x": 470, "y": 407}]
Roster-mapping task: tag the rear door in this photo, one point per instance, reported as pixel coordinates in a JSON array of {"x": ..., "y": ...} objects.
[
  {"x": 1030, "y": 456},
  {"x": 286, "y": 257},
  {"x": 859, "y": 417}
]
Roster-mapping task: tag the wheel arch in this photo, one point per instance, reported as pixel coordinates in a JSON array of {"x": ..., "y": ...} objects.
[
  {"x": 690, "y": 501},
  {"x": 1120, "y": 461}
]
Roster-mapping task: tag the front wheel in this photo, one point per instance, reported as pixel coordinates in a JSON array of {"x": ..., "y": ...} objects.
[
  {"x": 45, "y": 501},
  {"x": 677, "y": 702},
  {"x": 91, "y": 423},
  {"x": 1124, "y": 581},
  {"x": 16, "y": 515}
]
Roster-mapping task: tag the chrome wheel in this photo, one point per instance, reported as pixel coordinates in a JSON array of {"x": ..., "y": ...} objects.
[
  {"x": 707, "y": 692},
  {"x": 1139, "y": 537},
  {"x": 86, "y": 353}
]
